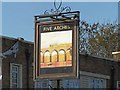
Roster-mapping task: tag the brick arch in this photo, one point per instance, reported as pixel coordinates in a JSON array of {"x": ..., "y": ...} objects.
[
  {"x": 68, "y": 54},
  {"x": 54, "y": 57},
  {"x": 55, "y": 50},
  {"x": 41, "y": 57},
  {"x": 62, "y": 57},
  {"x": 62, "y": 49},
  {"x": 47, "y": 58},
  {"x": 70, "y": 50}
]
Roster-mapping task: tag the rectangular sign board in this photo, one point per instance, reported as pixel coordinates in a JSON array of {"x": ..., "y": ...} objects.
[{"x": 56, "y": 49}]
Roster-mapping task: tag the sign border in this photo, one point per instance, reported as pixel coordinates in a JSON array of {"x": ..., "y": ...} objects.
[{"x": 75, "y": 49}]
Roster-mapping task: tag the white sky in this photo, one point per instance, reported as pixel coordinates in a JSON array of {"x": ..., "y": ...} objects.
[{"x": 59, "y": 37}]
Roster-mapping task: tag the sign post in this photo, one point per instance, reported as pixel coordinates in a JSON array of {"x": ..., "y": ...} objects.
[{"x": 56, "y": 46}]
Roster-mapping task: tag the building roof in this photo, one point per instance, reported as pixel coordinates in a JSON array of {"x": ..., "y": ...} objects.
[
  {"x": 103, "y": 58},
  {"x": 19, "y": 38}
]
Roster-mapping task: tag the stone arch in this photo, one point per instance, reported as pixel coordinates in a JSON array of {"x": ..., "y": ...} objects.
[
  {"x": 54, "y": 56},
  {"x": 41, "y": 57},
  {"x": 62, "y": 55},
  {"x": 47, "y": 56},
  {"x": 68, "y": 54}
]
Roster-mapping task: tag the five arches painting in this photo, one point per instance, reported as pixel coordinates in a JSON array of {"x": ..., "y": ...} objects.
[{"x": 56, "y": 49}]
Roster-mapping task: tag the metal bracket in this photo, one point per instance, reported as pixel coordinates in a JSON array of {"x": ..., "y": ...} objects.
[
  {"x": 59, "y": 17},
  {"x": 57, "y": 9}
]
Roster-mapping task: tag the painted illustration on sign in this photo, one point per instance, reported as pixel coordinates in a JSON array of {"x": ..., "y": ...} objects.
[{"x": 56, "y": 49}]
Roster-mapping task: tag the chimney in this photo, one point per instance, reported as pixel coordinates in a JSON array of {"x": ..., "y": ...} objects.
[
  {"x": 20, "y": 38},
  {"x": 116, "y": 55}
]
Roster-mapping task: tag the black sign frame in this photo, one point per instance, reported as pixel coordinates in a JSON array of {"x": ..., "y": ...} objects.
[{"x": 72, "y": 20}]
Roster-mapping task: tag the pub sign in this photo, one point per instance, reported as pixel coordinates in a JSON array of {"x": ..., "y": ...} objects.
[{"x": 56, "y": 49}]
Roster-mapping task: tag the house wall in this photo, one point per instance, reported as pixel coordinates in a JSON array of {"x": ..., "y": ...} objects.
[
  {"x": 19, "y": 58},
  {"x": 101, "y": 66}
]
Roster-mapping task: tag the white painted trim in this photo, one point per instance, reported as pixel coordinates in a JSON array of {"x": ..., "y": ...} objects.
[
  {"x": 20, "y": 68},
  {"x": 11, "y": 75},
  {"x": 21, "y": 75},
  {"x": 115, "y": 53},
  {"x": 118, "y": 82},
  {"x": 90, "y": 74},
  {"x": 102, "y": 58}
]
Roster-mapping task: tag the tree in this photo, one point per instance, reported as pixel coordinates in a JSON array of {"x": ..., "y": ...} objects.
[{"x": 98, "y": 39}]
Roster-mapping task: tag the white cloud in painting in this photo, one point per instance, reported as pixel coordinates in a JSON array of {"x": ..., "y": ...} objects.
[{"x": 51, "y": 38}]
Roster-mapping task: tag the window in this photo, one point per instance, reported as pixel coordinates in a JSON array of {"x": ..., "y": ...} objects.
[
  {"x": 71, "y": 84},
  {"x": 97, "y": 83},
  {"x": 42, "y": 84},
  {"x": 15, "y": 75},
  {"x": 118, "y": 85}
]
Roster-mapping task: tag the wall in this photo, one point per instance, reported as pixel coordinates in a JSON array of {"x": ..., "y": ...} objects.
[
  {"x": 20, "y": 58},
  {"x": 101, "y": 66}
]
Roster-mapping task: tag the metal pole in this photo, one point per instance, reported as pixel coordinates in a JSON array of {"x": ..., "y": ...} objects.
[
  {"x": 58, "y": 84},
  {"x": 112, "y": 77}
]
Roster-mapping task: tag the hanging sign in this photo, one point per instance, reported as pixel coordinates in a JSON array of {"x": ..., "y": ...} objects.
[{"x": 56, "y": 49}]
